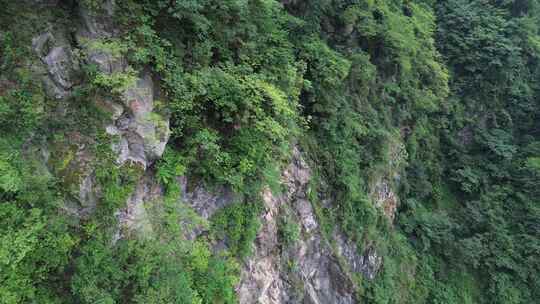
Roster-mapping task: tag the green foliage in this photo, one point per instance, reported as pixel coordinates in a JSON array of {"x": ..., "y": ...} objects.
[
  {"x": 231, "y": 125},
  {"x": 22, "y": 102},
  {"x": 10, "y": 178},
  {"x": 440, "y": 98},
  {"x": 233, "y": 86},
  {"x": 131, "y": 271},
  {"x": 325, "y": 66},
  {"x": 288, "y": 230},
  {"x": 489, "y": 49},
  {"x": 237, "y": 224},
  {"x": 116, "y": 82},
  {"x": 21, "y": 112},
  {"x": 112, "y": 47},
  {"x": 117, "y": 182},
  {"x": 170, "y": 166},
  {"x": 35, "y": 250},
  {"x": 360, "y": 93},
  {"x": 36, "y": 243},
  {"x": 94, "y": 5}
]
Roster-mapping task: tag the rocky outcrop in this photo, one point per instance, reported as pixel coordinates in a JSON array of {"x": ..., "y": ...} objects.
[
  {"x": 148, "y": 197},
  {"x": 310, "y": 270},
  {"x": 203, "y": 201},
  {"x": 71, "y": 160},
  {"x": 367, "y": 263},
  {"x": 54, "y": 50},
  {"x": 134, "y": 217},
  {"x": 382, "y": 189},
  {"x": 385, "y": 198},
  {"x": 142, "y": 132}
]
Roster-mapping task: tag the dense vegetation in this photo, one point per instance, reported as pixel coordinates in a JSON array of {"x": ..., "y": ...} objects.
[{"x": 439, "y": 98}]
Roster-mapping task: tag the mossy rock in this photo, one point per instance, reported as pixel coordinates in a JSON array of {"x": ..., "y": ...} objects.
[{"x": 71, "y": 163}]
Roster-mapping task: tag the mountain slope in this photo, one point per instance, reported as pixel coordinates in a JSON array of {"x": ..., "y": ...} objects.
[{"x": 261, "y": 151}]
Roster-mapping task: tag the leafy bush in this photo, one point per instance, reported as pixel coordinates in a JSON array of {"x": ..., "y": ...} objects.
[
  {"x": 237, "y": 224},
  {"x": 288, "y": 230}
]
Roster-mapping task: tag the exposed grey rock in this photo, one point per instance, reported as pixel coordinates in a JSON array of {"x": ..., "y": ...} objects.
[
  {"x": 368, "y": 263},
  {"x": 80, "y": 173},
  {"x": 134, "y": 216},
  {"x": 306, "y": 215},
  {"x": 295, "y": 177},
  {"x": 42, "y": 44},
  {"x": 372, "y": 262},
  {"x": 70, "y": 164},
  {"x": 84, "y": 204},
  {"x": 60, "y": 64},
  {"x": 98, "y": 26},
  {"x": 71, "y": 161},
  {"x": 261, "y": 280},
  {"x": 382, "y": 189},
  {"x": 385, "y": 198},
  {"x": 324, "y": 280},
  {"x": 142, "y": 133},
  {"x": 308, "y": 271},
  {"x": 87, "y": 192},
  {"x": 145, "y": 131},
  {"x": 97, "y": 23},
  {"x": 56, "y": 55},
  {"x": 203, "y": 201},
  {"x": 106, "y": 62}
]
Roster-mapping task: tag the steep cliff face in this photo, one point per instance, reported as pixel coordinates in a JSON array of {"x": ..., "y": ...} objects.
[
  {"x": 262, "y": 151},
  {"x": 292, "y": 260},
  {"x": 310, "y": 268}
]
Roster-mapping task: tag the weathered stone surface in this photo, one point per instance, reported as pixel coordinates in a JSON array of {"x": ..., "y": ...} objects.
[
  {"x": 56, "y": 55},
  {"x": 262, "y": 280},
  {"x": 308, "y": 271},
  {"x": 385, "y": 198},
  {"x": 42, "y": 44},
  {"x": 306, "y": 215},
  {"x": 368, "y": 263},
  {"x": 382, "y": 188},
  {"x": 72, "y": 162},
  {"x": 371, "y": 263},
  {"x": 203, "y": 201},
  {"x": 97, "y": 23},
  {"x": 134, "y": 217},
  {"x": 142, "y": 133},
  {"x": 98, "y": 26},
  {"x": 60, "y": 64}
]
